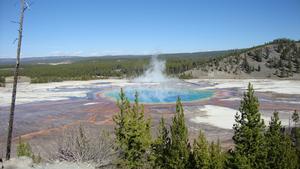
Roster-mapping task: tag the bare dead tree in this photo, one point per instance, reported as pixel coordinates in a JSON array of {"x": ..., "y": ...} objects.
[
  {"x": 24, "y": 6},
  {"x": 86, "y": 146}
]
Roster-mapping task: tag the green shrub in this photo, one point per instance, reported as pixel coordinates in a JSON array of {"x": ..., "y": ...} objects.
[
  {"x": 186, "y": 76},
  {"x": 36, "y": 159},
  {"x": 24, "y": 150},
  {"x": 2, "y": 81}
]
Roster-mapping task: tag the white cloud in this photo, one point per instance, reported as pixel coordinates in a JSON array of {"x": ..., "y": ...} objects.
[
  {"x": 67, "y": 53},
  {"x": 100, "y": 53}
]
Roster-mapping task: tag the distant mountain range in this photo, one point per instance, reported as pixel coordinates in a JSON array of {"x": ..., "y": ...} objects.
[{"x": 71, "y": 59}]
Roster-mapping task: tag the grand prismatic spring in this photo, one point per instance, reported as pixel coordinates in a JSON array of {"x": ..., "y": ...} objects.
[{"x": 45, "y": 110}]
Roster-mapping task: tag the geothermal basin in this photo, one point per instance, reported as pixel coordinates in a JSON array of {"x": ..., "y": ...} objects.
[{"x": 44, "y": 111}]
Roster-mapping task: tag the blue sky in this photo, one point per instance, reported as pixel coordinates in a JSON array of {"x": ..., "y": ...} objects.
[{"x": 99, "y": 27}]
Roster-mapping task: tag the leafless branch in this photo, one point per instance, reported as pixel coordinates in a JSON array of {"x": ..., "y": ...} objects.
[
  {"x": 82, "y": 146},
  {"x": 15, "y": 40},
  {"x": 15, "y": 22},
  {"x": 28, "y": 5}
]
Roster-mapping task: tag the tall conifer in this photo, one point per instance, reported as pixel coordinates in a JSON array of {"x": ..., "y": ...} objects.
[
  {"x": 132, "y": 134},
  {"x": 179, "y": 139},
  {"x": 217, "y": 157},
  {"x": 201, "y": 152},
  {"x": 161, "y": 146},
  {"x": 250, "y": 150},
  {"x": 281, "y": 152}
]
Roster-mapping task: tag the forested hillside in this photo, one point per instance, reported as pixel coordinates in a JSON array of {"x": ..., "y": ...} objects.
[
  {"x": 85, "y": 68},
  {"x": 277, "y": 59}
]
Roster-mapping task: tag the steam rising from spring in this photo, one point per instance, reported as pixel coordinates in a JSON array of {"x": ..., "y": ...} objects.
[
  {"x": 155, "y": 72},
  {"x": 154, "y": 86}
]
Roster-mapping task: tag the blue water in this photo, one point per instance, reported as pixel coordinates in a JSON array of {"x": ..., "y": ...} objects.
[{"x": 157, "y": 95}]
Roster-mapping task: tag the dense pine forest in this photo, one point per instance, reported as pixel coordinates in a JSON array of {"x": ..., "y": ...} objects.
[{"x": 110, "y": 66}]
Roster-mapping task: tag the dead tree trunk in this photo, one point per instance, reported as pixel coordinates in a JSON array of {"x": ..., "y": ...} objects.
[{"x": 14, "y": 91}]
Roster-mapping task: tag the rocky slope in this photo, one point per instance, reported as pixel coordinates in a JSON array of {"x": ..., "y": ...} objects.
[{"x": 277, "y": 59}]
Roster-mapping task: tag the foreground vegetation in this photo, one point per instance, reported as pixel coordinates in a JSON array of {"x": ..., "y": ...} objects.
[{"x": 256, "y": 146}]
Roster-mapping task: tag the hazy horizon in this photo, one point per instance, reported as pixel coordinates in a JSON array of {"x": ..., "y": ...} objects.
[{"x": 120, "y": 54}]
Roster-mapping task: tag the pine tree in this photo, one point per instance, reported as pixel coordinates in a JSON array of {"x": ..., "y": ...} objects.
[
  {"x": 237, "y": 161},
  {"x": 295, "y": 117},
  {"x": 245, "y": 65},
  {"x": 124, "y": 107},
  {"x": 179, "y": 139},
  {"x": 281, "y": 153},
  {"x": 273, "y": 136},
  {"x": 132, "y": 134},
  {"x": 297, "y": 65},
  {"x": 217, "y": 157},
  {"x": 201, "y": 152},
  {"x": 290, "y": 66},
  {"x": 258, "y": 68},
  {"x": 296, "y": 133},
  {"x": 161, "y": 146},
  {"x": 267, "y": 53},
  {"x": 191, "y": 161},
  {"x": 258, "y": 55},
  {"x": 249, "y": 134}
]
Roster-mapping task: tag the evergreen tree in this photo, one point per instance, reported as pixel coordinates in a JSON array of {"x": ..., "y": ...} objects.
[
  {"x": 179, "y": 139},
  {"x": 249, "y": 134},
  {"x": 296, "y": 134},
  {"x": 237, "y": 161},
  {"x": 161, "y": 146},
  {"x": 295, "y": 117},
  {"x": 201, "y": 152},
  {"x": 273, "y": 136},
  {"x": 132, "y": 134},
  {"x": 124, "y": 107},
  {"x": 267, "y": 53},
  {"x": 290, "y": 66},
  {"x": 258, "y": 55},
  {"x": 297, "y": 65},
  {"x": 297, "y": 142},
  {"x": 245, "y": 65},
  {"x": 191, "y": 161},
  {"x": 281, "y": 153},
  {"x": 217, "y": 157}
]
